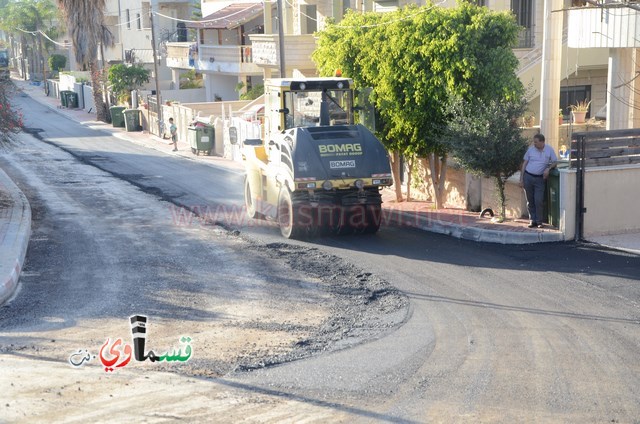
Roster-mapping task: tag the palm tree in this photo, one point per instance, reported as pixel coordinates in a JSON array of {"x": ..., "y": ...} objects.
[{"x": 85, "y": 21}]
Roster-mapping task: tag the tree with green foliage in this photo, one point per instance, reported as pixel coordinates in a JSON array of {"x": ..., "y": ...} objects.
[
  {"x": 32, "y": 22},
  {"x": 485, "y": 138},
  {"x": 124, "y": 79},
  {"x": 57, "y": 62},
  {"x": 414, "y": 58}
]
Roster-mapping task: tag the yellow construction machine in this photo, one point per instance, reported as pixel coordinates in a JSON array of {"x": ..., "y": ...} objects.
[{"x": 315, "y": 171}]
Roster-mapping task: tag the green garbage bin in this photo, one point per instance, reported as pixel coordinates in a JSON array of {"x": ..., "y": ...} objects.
[
  {"x": 132, "y": 119},
  {"x": 117, "y": 117},
  {"x": 63, "y": 97},
  {"x": 72, "y": 100},
  {"x": 201, "y": 139},
  {"x": 552, "y": 196}
]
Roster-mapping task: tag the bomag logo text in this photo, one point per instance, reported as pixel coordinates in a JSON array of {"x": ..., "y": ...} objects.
[{"x": 346, "y": 149}]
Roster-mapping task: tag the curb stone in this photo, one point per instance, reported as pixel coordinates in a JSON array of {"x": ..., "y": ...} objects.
[
  {"x": 15, "y": 231},
  {"x": 485, "y": 235}
]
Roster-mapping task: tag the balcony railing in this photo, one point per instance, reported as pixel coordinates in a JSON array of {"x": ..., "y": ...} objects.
[
  {"x": 224, "y": 59},
  {"x": 297, "y": 54},
  {"x": 181, "y": 55},
  {"x": 227, "y": 59},
  {"x": 608, "y": 27}
]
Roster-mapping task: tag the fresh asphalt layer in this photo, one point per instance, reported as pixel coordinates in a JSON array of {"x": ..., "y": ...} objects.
[{"x": 15, "y": 221}]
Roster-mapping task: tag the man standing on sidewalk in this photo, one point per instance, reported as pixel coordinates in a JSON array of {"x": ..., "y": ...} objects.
[
  {"x": 174, "y": 134},
  {"x": 539, "y": 159}
]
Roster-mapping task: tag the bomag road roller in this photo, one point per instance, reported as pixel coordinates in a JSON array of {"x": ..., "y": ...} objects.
[{"x": 315, "y": 171}]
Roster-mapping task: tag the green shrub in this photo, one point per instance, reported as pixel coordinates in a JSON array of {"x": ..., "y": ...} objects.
[
  {"x": 252, "y": 94},
  {"x": 191, "y": 79},
  {"x": 124, "y": 79},
  {"x": 57, "y": 62}
]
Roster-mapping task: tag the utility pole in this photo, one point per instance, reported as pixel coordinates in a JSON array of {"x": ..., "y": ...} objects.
[
  {"x": 155, "y": 68},
  {"x": 281, "y": 40}
]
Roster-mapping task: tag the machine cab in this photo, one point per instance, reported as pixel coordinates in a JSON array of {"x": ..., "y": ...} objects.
[{"x": 308, "y": 102}]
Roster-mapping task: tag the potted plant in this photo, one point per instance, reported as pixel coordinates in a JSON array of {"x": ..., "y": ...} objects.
[
  {"x": 579, "y": 111},
  {"x": 560, "y": 117}
]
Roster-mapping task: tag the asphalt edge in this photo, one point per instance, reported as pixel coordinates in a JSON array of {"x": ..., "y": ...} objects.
[
  {"x": 481, "y": 234},
  {"x": 15, "y": 240}
]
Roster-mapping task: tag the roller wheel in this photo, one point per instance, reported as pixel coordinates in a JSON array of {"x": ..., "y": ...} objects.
[
  {"x": 341, "y": 222},
  {"x": 324, "y": 221},
  {"x": 250, "y": 202},
  {"x": 288, "y": 216},
  {"x": 373, "y": 219}
]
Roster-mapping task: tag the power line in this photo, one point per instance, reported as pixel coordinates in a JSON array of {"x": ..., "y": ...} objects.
[
  {"x": 128, "y": 23},
  {"x": 27, "y": 32},
  {"x": 302, "y": 13},
  {"x": 67, "y": 45}
]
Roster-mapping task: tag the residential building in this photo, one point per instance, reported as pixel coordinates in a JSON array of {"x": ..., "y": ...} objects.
[
  {"x": 222, "y": 51},
  {"x": 130, "y": 23},
  {"x": 576, "y": 67},
  {"x": 236, "y": 46},
  {"x": 612, "y": 27}
]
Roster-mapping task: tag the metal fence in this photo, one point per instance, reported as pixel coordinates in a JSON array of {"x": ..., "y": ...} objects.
[{"x": 598, "y": 149}]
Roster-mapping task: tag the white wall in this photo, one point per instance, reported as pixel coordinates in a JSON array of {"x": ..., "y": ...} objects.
[
  {"x": 611, "y": 198},
  {"x": 221, "y": 85},
  {"x": 568, "y": 203},
  {"x": 134, "y": 38},
  {"x": 189, "y": 95},
  {"x": 89, "y": 104}
]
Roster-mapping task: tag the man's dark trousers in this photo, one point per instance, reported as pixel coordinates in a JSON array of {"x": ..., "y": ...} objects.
[{"x": 534, "y": 190}]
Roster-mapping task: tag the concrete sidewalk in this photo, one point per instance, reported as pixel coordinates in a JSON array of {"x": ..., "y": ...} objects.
[{"x": 15, "y": 222}]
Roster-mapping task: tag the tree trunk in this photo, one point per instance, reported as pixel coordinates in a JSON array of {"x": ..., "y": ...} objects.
[
  {"x": 44, "y": 66},
  {"x": 96, "y": 83},
  {"x": 395, "y": 170},
  {"x": 502, "y": 199},
  {"x": 410, "y": 163},
  {"x": 438, "y": 171},
  {"x": 25, "y": 58},
  {"x": 426, "y": 177}
]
